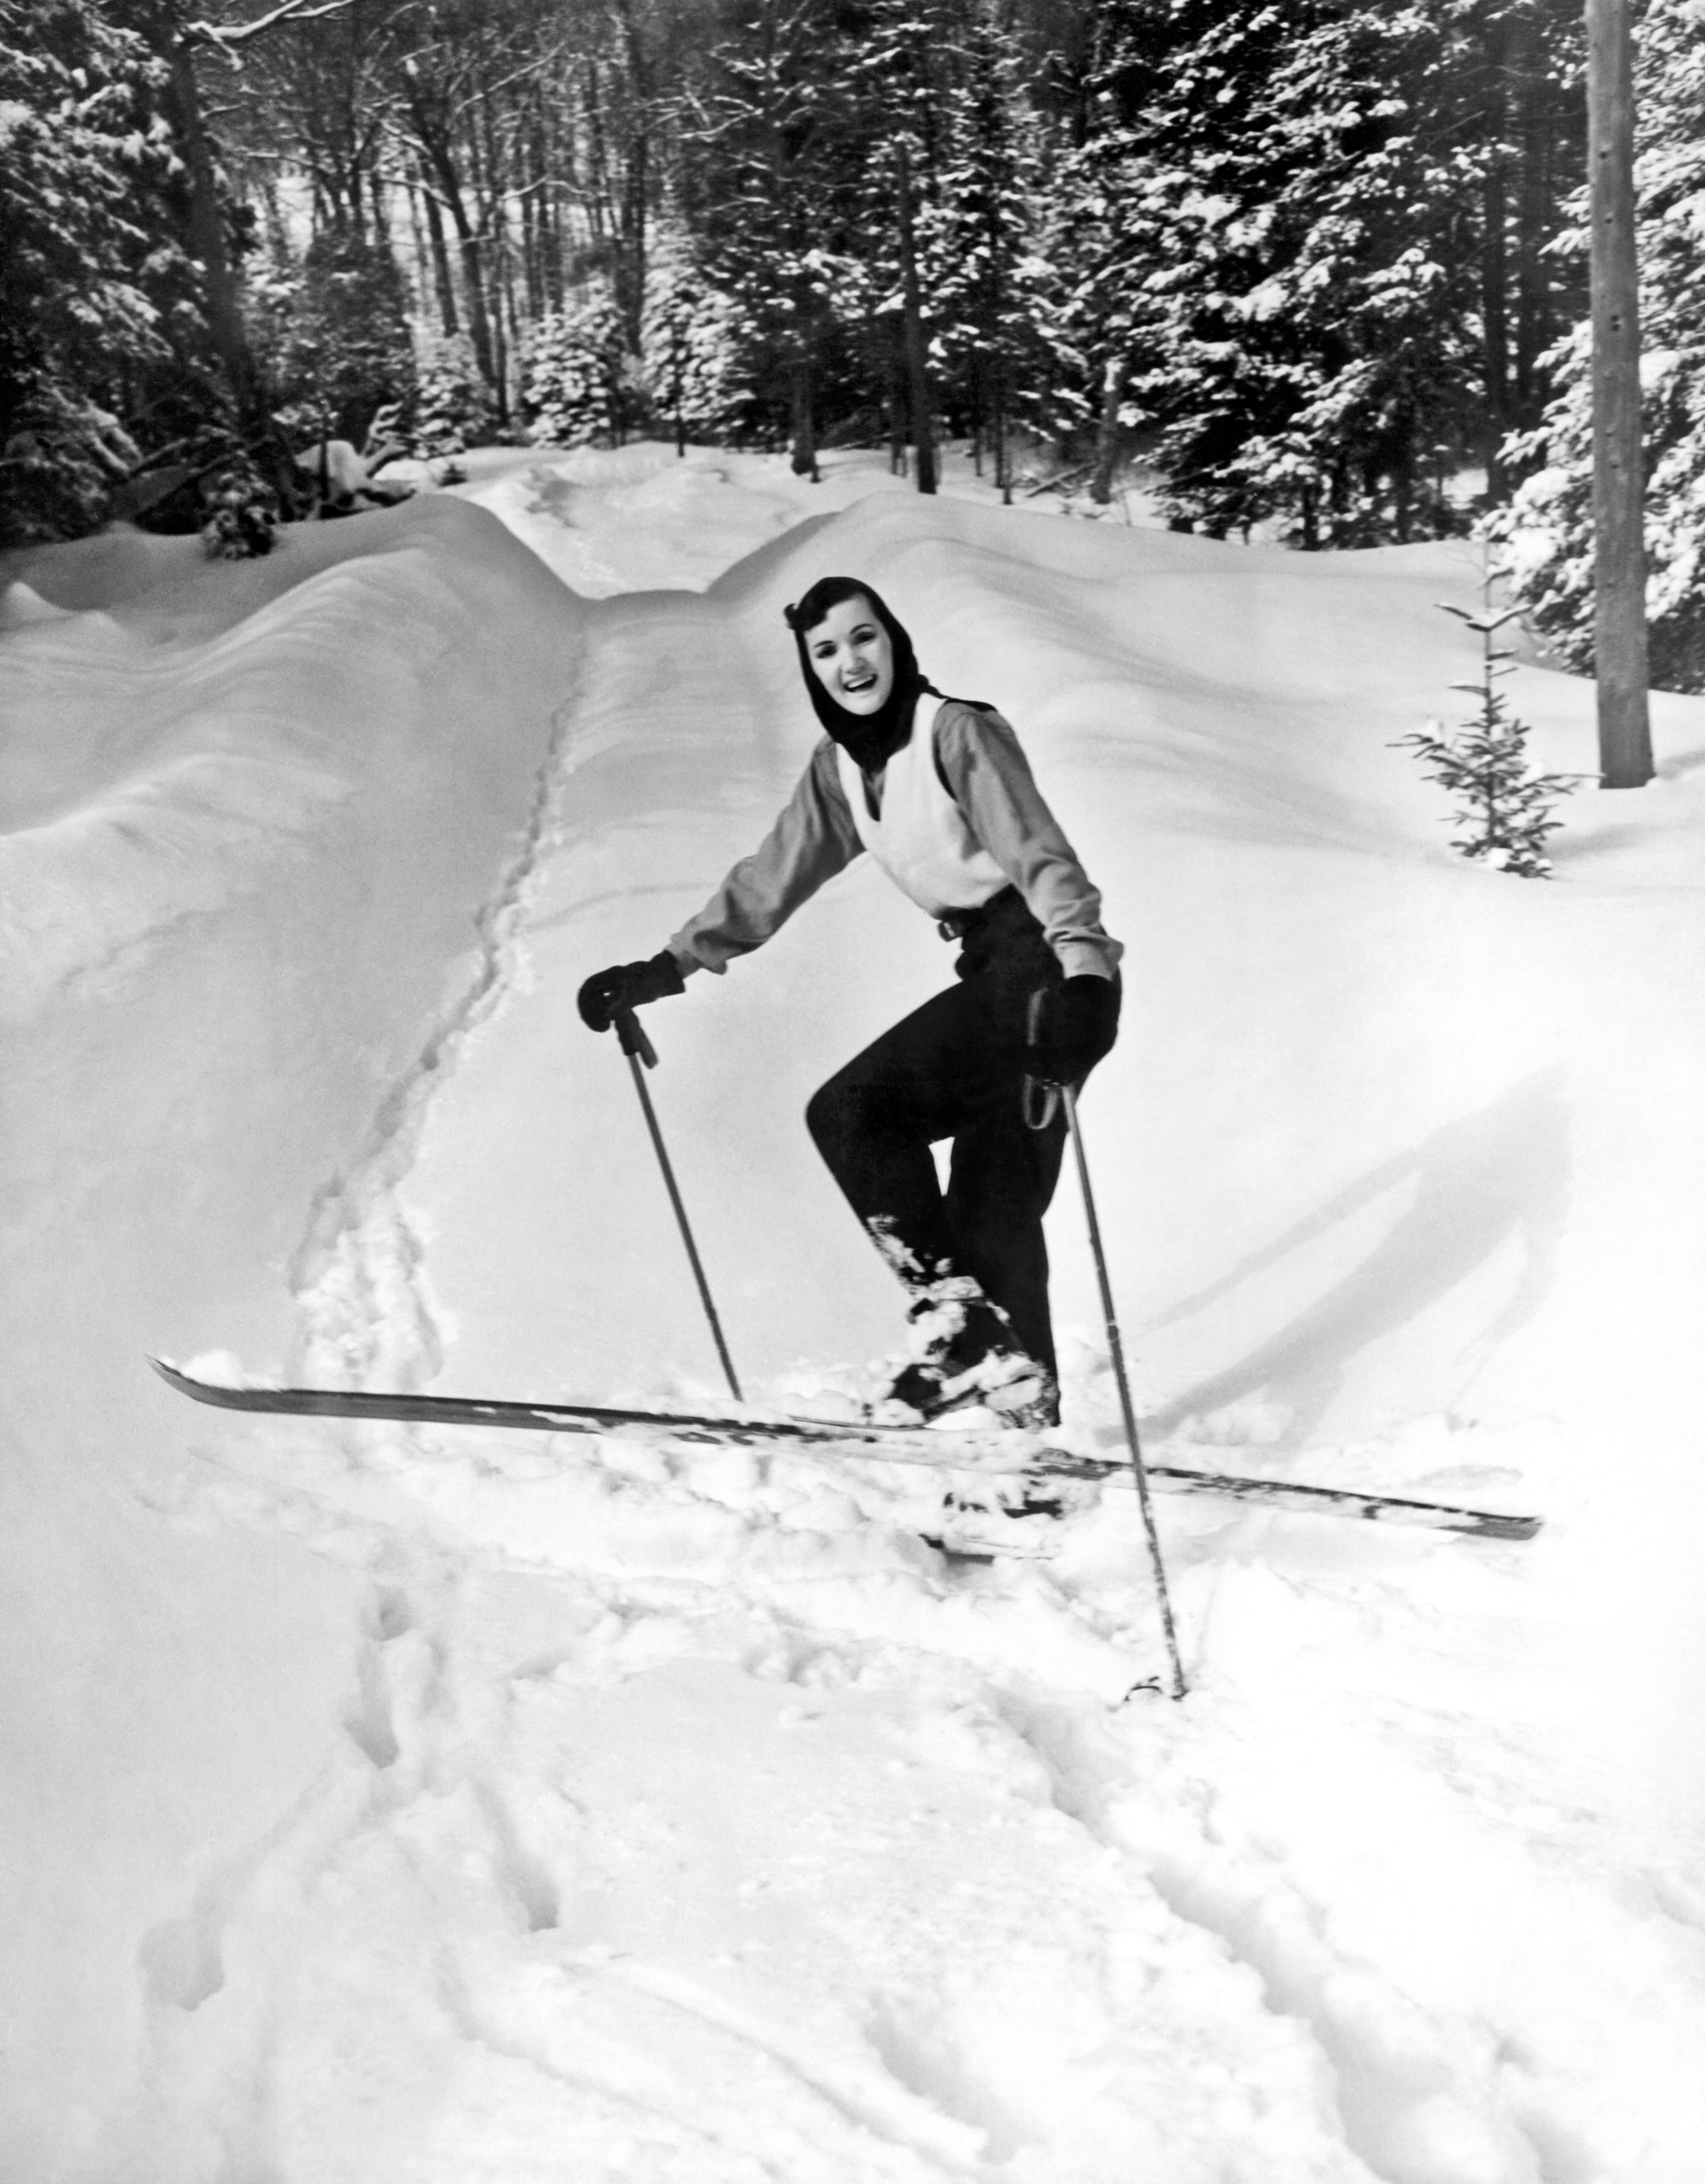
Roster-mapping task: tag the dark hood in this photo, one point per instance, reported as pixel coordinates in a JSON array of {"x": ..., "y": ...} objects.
[{"x": 870, "y": 740}]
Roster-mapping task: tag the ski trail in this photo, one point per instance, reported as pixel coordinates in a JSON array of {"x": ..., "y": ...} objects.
[
  {"x": 364, "y": 1305},
  {"x": 556, "y": 1258},
  {"x": 217, "y": 1979}
]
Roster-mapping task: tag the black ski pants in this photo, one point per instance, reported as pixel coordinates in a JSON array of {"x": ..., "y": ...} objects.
[{"x": 954, "y": 1068}]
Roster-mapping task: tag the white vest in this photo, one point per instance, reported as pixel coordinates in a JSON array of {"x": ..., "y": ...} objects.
[{"x": 923, "y": 840}]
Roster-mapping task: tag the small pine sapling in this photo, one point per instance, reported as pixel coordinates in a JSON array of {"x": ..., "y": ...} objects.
[{"x": 1504, "y": 810}]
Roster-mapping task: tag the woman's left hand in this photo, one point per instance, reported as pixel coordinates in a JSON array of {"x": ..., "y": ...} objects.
[{"x": 1079, "y": 1021}]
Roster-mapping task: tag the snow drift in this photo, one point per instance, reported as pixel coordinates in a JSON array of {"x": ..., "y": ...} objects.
[
  {"x": 411, "y": 1806},
  {"x": 255, "y": 819}
]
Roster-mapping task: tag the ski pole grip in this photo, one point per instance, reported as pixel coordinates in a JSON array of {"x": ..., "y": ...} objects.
[
  {"x": 631, "y": 1033},
  {"x": 1041, "y": 1100}
]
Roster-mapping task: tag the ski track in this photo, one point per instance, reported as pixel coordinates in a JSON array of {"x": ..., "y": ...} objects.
[
  {"x": 435, "y": 1882},
  {"x": 358, "y": 1277}
]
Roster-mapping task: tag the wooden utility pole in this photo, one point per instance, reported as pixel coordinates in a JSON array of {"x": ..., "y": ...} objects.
[{"x": 1625, "y": 735}]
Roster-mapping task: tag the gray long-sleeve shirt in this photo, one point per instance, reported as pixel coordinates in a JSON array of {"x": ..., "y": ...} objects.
[{"x": 988, "y": 776}]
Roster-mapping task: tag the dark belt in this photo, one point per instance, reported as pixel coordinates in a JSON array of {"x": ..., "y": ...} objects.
[{"x": 960, "y": 924}]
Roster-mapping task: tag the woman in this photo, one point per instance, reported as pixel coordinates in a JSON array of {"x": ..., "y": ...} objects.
[{"x": 938, "y": 791}]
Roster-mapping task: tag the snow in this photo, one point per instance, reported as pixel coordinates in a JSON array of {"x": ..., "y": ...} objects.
[{"x": 410, "y": 1804}]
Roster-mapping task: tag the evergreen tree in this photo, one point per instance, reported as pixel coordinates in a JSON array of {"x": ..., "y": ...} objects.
[
  {"x": 903, "y": 80},
  {"x": 692, "y": 382},
  {"x": 450, "y": 409},
  {"x": 1290, "y": 240},
  {"x": 580, "y": 381},
  {"x": 218, "y": 392},
  {"x": 1307, "y": 321},
  {"x": 1512, "y": 92},
  {"x": 1504, "y": 809},
  {"x": 1548, "y": 529},
  {"x": 77, "y": 138},
  {"x": 768, "y": 162},
  {"x": 992, "y": 288},
  {"x": 1100, "y": 254},
  {"x": 341, "y": 350}
]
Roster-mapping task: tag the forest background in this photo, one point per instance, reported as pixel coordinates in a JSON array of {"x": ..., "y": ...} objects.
[{"x": 1319, "y": 267}]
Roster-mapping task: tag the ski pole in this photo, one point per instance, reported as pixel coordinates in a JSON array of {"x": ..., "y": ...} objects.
[
  {"x": 1117, "y": 1352},
  {"x": 638, "y": 1049}
]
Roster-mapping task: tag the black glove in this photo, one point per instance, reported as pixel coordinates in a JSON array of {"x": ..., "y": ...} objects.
[
  {"x": 628, "y": 986},
  {"x": 1079, "y": 1021}
]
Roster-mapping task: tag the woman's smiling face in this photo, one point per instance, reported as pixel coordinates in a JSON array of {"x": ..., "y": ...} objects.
[{"x": 852, "y": 656}]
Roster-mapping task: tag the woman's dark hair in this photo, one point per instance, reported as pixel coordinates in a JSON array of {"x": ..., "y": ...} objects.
[
  {"x": 829, "y": 592},
  {"x": 870, "y": 737}
]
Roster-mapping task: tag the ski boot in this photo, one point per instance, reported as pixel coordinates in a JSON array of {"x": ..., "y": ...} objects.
[
  {"x": 965, "y": 1357},
  {"x": 1010, "y": 1517}
]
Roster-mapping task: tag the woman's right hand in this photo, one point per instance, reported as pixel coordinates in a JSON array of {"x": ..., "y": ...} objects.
[{"x": 628, "y": 986}]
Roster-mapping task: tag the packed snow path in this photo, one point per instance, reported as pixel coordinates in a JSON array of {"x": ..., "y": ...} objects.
[{"x": 437, "y": 1807}]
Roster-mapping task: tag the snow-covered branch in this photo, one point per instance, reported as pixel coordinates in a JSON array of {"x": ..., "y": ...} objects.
[{"x": 228, "y": 37}]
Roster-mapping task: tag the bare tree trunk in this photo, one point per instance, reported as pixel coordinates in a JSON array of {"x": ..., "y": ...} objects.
[
  {"x": 552, "y": 182},
  {"x": 442, "y": 160},
  {"x": 597, "y": 195},
  {"x": 1107, "y": 431},
  {"x": 1624, "y": 735},
  {"x": 1403, "y": 483},
  {"x": 442, "y": 278},
  {"x": 1548, "y": 136},
  {"x": 486, "y": 181},
  {"x": 507, "y": 311},
  {"x": 221, "y": 286},
  {"x": 529, "y": 244},
  {"x": 994, "y": 351},
  {"x": 421, "y": 293},
  {"x": 221, "y": 292},
  {"x": 805, "y": 458},
  {"x": 894, "y": 331},
  {"x": 474, "y": 290},
  {"x": 636, "y": 183},
  {"x": 1495, "y": 370},
  {"x": 917, "y": 373},
  {"x": 998, "y": 428}
]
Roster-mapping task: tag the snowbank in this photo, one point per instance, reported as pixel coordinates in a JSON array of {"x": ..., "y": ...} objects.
[
  {"x": 255, "y": 820},
  {"x": 425, "y": 1806}
]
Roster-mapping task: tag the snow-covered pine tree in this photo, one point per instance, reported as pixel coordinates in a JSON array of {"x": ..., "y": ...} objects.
[
  {"x": 78, "y": 137},
  {"x": 451, "y": 408},
  {"x": 910, "y": 77},
  {"x": 341, "y": 350},
  {"x": 694, "y": 386},
  {"x": 1284, "y": 197},
  {"x": 1099, "y": 253},
  {"x": 1546, "y": 534},
  {"x": 993, "y": 285},
  {"x": 1504, "y": 808},
  {"x": 769, "y": 145},
  {"x": 580, "y": 381}
]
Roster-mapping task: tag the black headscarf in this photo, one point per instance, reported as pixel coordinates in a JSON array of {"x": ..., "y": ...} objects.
[{"x": 870, "y": 740}]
